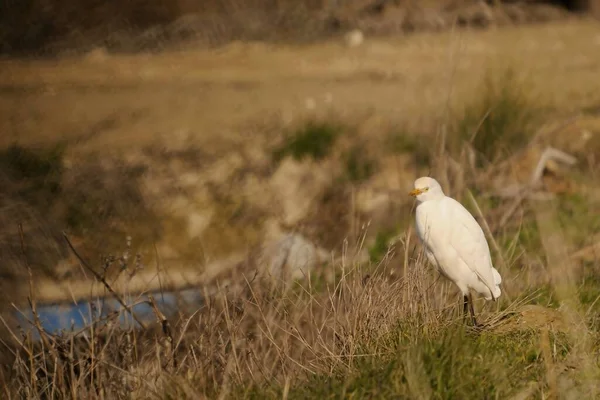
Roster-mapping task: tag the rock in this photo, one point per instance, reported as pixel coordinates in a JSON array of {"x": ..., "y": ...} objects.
[
  {"x": 297, "y": 185},
  {"x": 532, "y": 317},
  {"x": 185, "y": 27},
  {"x": 166, "y": 251},
  {"x": 421, "y": 19},
  {"x": 532, "y": 167},
  {"x": 180, "y": 205},
  {"x": 178, "y": 140},
  {"x": 190, "y": 179},
  {"x": 354, "y": 38},
  {"x": 375, "y": 204},
  {"x": 387, "y": 188},
  {"x": 290, "y": 257},
  {"x": 477, "y": 14},
  {"x": 223, "y": 170},
  {"x": 97, "y": 55},
  {"x": 546, "y": 12},
  {"x": 198, "y": 222},
  {"x": 256, "y": 156},
  {"x": 514, "y": 13},
  {"x": 257, "y": 192}
]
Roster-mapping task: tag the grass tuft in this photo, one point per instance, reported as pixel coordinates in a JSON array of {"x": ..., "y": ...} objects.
[
  {"x": 359, "y": 166},
  {"x": 33, "y": 176},
  {"x": 449, "y": 364},
  {"x": 381, "y": 245},
  {"x": 579, "y": 216},
  {"x": 313, "y": 140},
  {"x": 417, "y": 146},
  {"x": 500, "y": 119}
]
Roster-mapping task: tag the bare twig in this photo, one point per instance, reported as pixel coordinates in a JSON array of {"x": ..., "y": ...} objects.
[
  {"x": 549, "y": 154},
  {"x": 31, "y": 298},
  {"x": 104, "y": 282},
  {"x": 166, "y": 328}
]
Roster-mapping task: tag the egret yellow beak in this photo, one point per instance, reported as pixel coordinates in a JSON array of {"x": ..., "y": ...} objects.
[{"x": 416, "y": 192}]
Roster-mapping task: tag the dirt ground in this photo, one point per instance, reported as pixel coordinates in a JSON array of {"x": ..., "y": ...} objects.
[{"x": 110, "y": 102}]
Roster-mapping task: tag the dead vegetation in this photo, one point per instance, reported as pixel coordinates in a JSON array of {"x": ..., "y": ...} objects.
[
  {"x": 97, "y": 200},
  {"x": 367, "y": 331},
  {"x": 49, "y": 27},
  {"x": 380, "y": 327}
]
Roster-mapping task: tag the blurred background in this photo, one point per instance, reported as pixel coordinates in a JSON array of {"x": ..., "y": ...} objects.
[
  {"x": 179, "y": 144},
  {"x": 36, "y": 27}
]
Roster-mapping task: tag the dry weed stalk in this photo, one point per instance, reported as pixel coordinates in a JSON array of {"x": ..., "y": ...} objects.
[
  {"x": 101, "y": 279},
  {"x": 265, "y": 334}
]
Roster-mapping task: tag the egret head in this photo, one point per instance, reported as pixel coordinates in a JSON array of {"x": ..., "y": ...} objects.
[{"x": 427, "y": 188}]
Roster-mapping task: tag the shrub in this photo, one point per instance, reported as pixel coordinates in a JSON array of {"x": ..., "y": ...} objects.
[
  {"x": 418, "y": 146},
  {"x": 381, "y": 245},
  {"x": 499, "y": 119},
  {"x": 33, "y": 175},
  {"x": 313, "y": 140},
  {"x": 359, "y": 166}
]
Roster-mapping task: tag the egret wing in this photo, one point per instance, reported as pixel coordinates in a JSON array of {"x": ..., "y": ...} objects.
[{"x": 468, "y": 240}]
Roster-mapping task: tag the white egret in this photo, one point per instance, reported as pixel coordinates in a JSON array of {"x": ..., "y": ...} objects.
[{"x": 455, "y": 243}]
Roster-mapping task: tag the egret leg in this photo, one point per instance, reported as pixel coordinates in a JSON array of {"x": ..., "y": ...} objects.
[
  {"x": 465, "y": 306},
  {"x": 471, "y": 309}
]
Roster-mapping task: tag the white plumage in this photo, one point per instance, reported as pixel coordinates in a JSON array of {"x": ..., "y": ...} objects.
[{"x": 454, "y": 242}]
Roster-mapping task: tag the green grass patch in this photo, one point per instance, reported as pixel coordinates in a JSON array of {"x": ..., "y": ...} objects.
[
  {"x": 322, "y": 279},
  {"x": 102, "y": 204},
  {"x": 500, "y": 119},
  {"x": 359, "y": 166},
  {"x": 529, "y": 236},
  {"x": 312, "y": 140},
  {"x": 452, "y": 364},
  {"x": 543, "y": 295},
  {"x": 419, "y": 147},
  {"x": 589, "y": 296},
  {"x": 589, "y": 291},
  {"x": 33, "y": 175},
  {"x": 579, "y": 217},
  {"x": 104, "y": 199},
  {"x": 381, "y": 245}
]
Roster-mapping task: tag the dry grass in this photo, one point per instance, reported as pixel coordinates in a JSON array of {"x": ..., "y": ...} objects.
[
  {"x": 137, "y": 101},
  {"x": 248, "y": 328},
  {"x": 49, "y": 27},
  {"x": 367, "y": 332},
  {"x": 380, "y": 330},
  {"x": 42, "y": 27}
]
